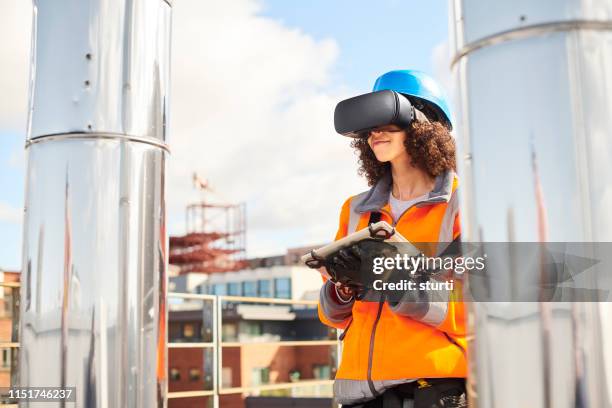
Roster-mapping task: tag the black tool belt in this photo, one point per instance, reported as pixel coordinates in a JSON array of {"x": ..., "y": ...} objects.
[
  {"x": 426, "y": 393},
  {"x": 433, "y": 393}
]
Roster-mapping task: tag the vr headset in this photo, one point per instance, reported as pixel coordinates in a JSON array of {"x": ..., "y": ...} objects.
[{"x": 358, "y": 115}]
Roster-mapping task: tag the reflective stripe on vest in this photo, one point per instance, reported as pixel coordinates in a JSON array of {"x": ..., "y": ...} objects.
[
  {"x": 355, "y": 391},
  {"x": 445, "y": 237},
  {"x": 354, "y": 216}
]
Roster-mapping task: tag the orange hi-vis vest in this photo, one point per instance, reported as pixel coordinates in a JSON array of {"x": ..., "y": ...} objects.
[{"x": 388, "y": 344}]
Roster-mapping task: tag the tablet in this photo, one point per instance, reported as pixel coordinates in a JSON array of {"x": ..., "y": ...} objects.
[{"x": 381, "y": 230}]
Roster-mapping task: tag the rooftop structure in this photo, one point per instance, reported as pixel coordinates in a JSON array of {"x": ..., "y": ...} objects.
[{"x": 215, "y": 239}]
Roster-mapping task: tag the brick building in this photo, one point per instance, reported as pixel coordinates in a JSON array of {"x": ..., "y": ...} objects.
[
  {"x": 7, "y": 331},
  {"x": 258, "y": 339}
]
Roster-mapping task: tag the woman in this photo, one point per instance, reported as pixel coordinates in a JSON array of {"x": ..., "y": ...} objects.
[{"x": 401, "y": 352}]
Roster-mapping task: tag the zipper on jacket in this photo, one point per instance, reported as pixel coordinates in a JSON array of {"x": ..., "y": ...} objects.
[
  {"x": 393, "y": 222},
  {"x": 380, "y": 307},
  {"x": 381, "y": 302},
  {"x": 372, "y": 338}
]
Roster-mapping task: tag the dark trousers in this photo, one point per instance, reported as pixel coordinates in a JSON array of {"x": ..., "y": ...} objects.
[{"x": 430, "y": 393}]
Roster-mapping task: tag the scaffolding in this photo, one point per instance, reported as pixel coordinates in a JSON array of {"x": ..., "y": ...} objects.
[{"x": 215, "y": 239}]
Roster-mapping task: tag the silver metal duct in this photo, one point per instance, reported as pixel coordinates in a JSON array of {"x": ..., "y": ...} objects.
[
  {"x": 93, "y": 312},
  {"x": 534, "y": 81}
]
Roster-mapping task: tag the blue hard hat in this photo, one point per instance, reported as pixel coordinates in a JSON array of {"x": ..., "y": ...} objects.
[{"x": 419, "y": 85}]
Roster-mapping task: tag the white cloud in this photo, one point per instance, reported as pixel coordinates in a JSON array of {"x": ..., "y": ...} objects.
[
  {"x": 9, "y": 213},
  {"x": 440, "y": 61},
  {"x": 15, "y": 33},
  {"x": 252, "y": 110}
]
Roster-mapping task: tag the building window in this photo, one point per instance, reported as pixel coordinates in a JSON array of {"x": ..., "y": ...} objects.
[
  {"x": 249, "y": 288},
  {"x": 171, "y": 286},
  {"x": 6, "y": 358},
  {"x": 226, "y": 377},
  {"x": 233, "y": 289},
  {"x": 282, "y": 288},
  {"x": 6, "y": 302},
  {"x": 260, "y": 376},
  {"x": 265, "y": 288},
  {"x": 321, "y": 371},
  {"x": 188, "y": 331},
  {"x": 195, "y": 374},
  {"x": 251, "y": 329},
  {"x": 229, "y": 332},
  {"x": 219, "y": 289},
  {"x": 175, "y": 374}
]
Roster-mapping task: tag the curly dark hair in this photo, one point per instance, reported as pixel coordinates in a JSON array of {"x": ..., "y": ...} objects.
[{"x": 429, "y": 144}]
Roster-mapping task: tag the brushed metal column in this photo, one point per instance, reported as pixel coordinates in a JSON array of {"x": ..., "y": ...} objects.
[
  {"x": 93, "y": 314},
  {"x": 534, "y": 82}
]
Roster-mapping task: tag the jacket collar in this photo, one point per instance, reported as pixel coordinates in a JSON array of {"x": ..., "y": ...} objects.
[{"x": 378, "y": 196}]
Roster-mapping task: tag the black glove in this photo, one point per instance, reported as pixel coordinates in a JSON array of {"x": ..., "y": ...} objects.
[{"x": 352, "y": 266}]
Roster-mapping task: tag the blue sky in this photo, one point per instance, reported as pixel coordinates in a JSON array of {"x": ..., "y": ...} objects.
[
  {"x": 371, "y": 37},
  {"x": 11, "y": 195}
]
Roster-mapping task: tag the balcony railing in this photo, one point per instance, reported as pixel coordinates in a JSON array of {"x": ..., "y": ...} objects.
[
  {"x": 213, "y": 345},
  {"x": 218, "y": 344}
]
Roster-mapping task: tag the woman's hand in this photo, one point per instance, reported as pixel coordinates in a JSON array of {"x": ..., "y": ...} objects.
[{"x": 353, "y": 266}]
